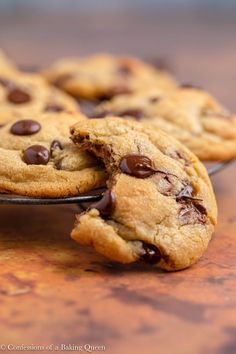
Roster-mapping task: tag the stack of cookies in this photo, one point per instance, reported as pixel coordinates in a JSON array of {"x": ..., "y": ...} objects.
[{"x": 117, "y": 122}]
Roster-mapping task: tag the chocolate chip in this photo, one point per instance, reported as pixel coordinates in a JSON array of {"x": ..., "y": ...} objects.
[
  {"x": 25, "y": 127},
  {"x": 136, "y": 113},
  {"x": 56, "y": 144},
  {"x": 186, "y": 192},
  {"x": 139, "y": 166},
  {"x": 191, "y": 213},
  {"x": 151, "y": 255},
  {"x": 179, "y": 155},
  {"x": 97, "y": 191},
  {"x": 36, "y": 155},
  {"x": 106, "y": 205},
  {"x": 54, "y": 107},
  {"x": 58, "y": 164},
  {"x": 18, "y": 96},
  {"x": 1, "y": 125}
]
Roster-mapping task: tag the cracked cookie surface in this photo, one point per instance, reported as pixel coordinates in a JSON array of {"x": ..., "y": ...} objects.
[
  {"x": 103, "y": 76},
  {"x": 21, "y": 92},
  {"x": 159, "y": 207},
  {"x": 191, "y": 115},
  {"x": 37, "y": 158}
]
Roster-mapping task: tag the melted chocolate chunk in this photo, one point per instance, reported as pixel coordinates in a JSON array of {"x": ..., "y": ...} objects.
[
  {"x": 1, "y": 125},
  {"x": 18, "y": 96},
  {"x": 136, "y": 113},
  {"x": 151, "y": 255},
  {"x": 192, "y": 213},
  {"x": 58, "y": 164},
  {"x": 25, "y": 127},
  {"x": 185, "y": 193},
  {"x": 97, "y": 191},
  {"x": 139, "y": 166},
  {"x": 56, "y": 144},
  {"x": 106, "y": 205},
  {"x": 54, "y": 107},
  {"x": 179, "y": 155},
  {"x": 36, "y": 155}
]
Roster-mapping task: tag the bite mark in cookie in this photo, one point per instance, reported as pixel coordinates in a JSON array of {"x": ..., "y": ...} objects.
[{"x": 164, "y": 211}]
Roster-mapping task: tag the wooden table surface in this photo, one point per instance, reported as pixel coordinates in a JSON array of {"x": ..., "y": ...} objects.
[{"x": 53, "y": 291}]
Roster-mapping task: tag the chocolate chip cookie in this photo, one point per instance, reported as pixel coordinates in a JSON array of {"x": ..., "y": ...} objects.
[
  {"x": 37, "y": 157},
  {"x": 191, "y": 115},
  {"x": 103, "y": 76},
  {"x": 159, "y": 207},
  {"x": 21, "y": 92}
]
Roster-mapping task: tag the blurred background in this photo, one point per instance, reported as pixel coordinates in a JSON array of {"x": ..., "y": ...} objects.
[{"x": 195, "y": 39}]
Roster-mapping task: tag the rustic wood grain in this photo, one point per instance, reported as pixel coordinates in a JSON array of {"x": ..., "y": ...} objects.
[{"x": 53, "y": 291}]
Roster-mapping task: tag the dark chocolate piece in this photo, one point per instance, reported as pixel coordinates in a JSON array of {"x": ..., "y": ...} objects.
[
  {"x": 136, "y": 165},
  {"x": 106, "y": 205},
  {"x": 18, "y": 96},
  {"x": 54, "y": 107},
  {"x": 25, "y": 127},
  {"x": 151, "y": 255},
  {"x": 36, "y": 155}
]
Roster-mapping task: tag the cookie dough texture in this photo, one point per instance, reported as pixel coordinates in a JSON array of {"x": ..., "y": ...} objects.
[
  {"x": 21, "y": 92},
  {"x": 68, "y": 171},
  {"x": 191, "y": 115},
  {"x": 173, "y": 211},
  {"x": 102, "y": 76}
]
